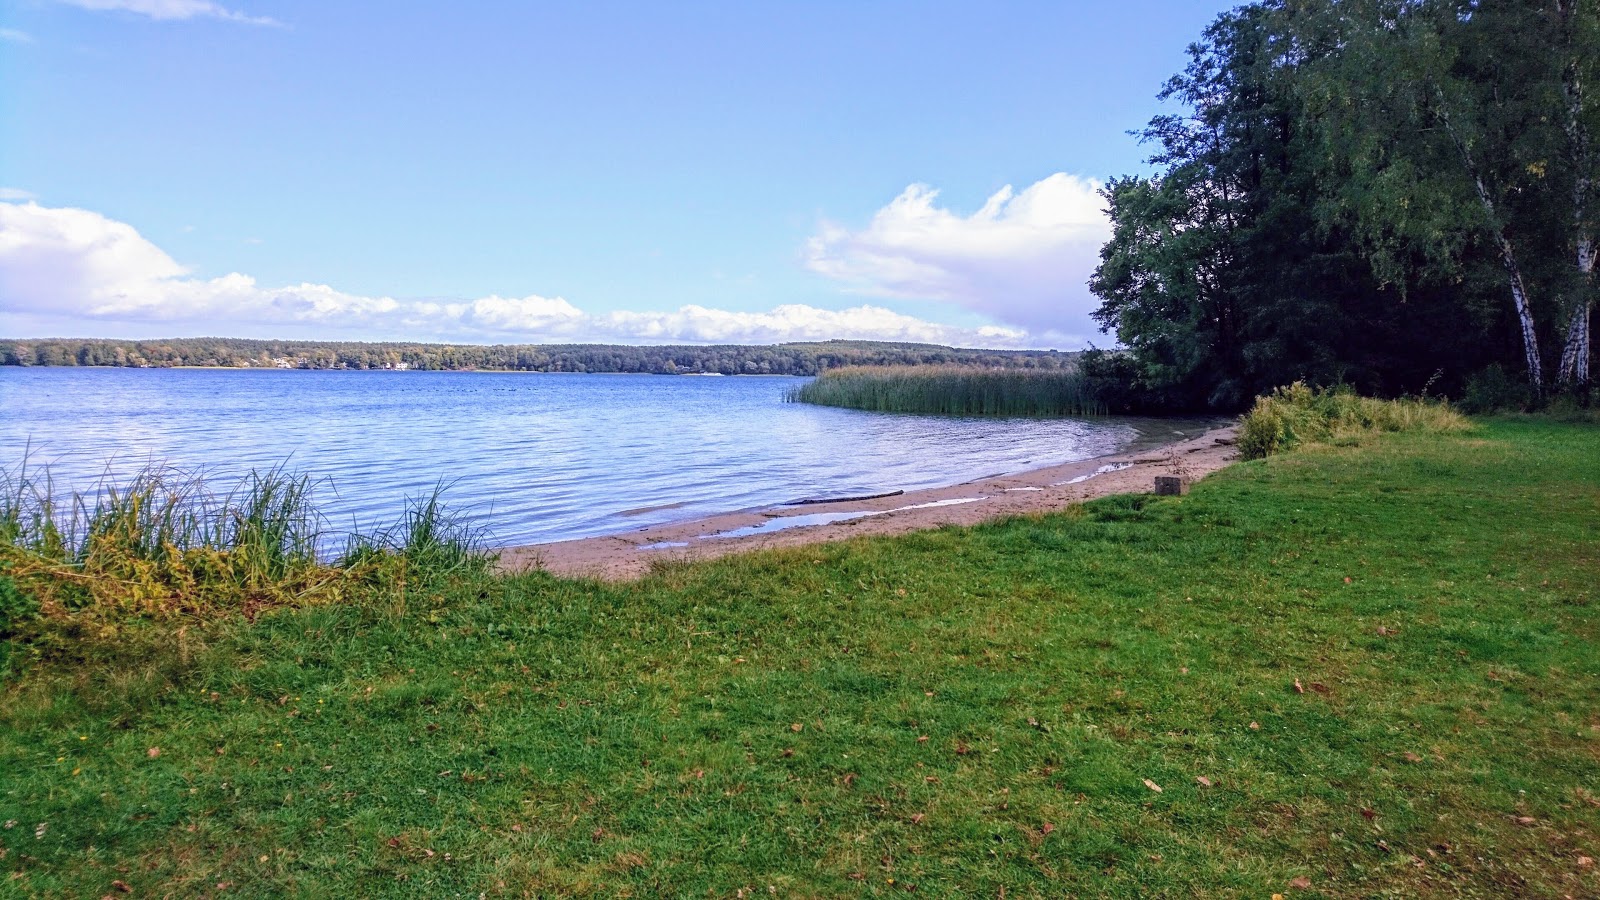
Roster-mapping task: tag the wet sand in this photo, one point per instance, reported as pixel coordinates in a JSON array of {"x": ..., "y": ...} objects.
[{"x": 630, "y": 555}]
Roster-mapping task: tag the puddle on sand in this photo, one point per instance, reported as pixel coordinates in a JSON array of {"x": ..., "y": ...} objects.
[
  {"x": 784, "y": 523},
  {"x": 662, "y": 545},
  {"x": 1014, "y": 490},
  {"x": 1109, "y": 467}
]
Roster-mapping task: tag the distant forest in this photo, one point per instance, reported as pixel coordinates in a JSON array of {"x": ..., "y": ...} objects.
[{"x": 776, "y": 359}]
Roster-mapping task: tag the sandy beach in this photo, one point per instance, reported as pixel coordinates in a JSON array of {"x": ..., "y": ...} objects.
[{"x": 630, "y": 555}]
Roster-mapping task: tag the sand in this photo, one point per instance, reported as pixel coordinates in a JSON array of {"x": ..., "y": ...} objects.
[{"x": 631, "y": 555}]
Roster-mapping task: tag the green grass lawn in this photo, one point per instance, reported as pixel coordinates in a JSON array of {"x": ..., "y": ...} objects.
[{"x": 1096, "y": 703}]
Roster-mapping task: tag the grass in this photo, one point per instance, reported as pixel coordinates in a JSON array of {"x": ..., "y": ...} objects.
[
  {"x": 1298, "y": 415},
  {"x": 956, "y": 712},
  {"x": 136, "y": 559},
  {"x": 953, "y": 390}
]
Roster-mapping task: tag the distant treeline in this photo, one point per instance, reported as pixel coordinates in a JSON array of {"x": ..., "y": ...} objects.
[{"x": 775, "y": 359}]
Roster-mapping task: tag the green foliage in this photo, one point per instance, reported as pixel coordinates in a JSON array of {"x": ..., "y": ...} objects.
[
  {"x": 1343, "y": 192},
  {"x": 777, "y": 359},
  {"x": 977, "y": 709},
  {"x": 954, "y": 390},
  {"x": 1493, "y": 390},
  {"x": 430, "y": 538},
  {"x": 1296, "y": 415},
  {"x": 162, "y": 549}
]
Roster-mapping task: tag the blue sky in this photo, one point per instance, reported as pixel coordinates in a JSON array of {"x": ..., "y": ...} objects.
[{"x": 638, "y": 172}]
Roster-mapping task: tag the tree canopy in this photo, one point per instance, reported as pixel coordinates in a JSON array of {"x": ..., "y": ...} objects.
[{"x": 1394, "y": 194}]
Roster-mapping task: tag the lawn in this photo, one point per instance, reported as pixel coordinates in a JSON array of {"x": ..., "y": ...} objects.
[{"x": 1350, "y": 671}]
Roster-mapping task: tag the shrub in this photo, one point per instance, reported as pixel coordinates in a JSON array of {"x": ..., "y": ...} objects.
[
  {"x": 1296, "y": 415},
  {"x": 1493, "y": 390}
]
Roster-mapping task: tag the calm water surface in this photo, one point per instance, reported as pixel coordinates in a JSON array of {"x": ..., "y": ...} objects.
[{"x": 533, "y": 457}]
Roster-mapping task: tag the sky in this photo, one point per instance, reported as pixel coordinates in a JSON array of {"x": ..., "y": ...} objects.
[{"x": 687, "y": 172}]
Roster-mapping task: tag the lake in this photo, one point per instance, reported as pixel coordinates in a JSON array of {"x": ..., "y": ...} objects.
[{"x": 531, "y": 457}]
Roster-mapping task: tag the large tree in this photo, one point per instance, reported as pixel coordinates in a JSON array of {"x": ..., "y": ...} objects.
[{"x": 1371, "y": 191}]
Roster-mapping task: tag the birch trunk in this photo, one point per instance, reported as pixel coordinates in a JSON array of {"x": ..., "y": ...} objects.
[
  {"x": 1575, "y": 355},
  {"x": 1574, "y": 370},
  {"x": 1519, "y": 291}
]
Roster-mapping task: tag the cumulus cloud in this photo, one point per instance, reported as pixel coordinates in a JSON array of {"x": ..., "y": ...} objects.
[
  {"x": 173, "y": 10},
  {"x": 1024, "y": 258},
  {"x": 75, "y": 265}
]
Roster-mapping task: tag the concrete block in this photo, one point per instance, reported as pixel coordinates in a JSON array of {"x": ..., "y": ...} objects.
[{"x": 1171, "y": 485}]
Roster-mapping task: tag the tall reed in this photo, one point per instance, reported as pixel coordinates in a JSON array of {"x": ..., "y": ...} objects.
[{"x": 953, "y": 390}]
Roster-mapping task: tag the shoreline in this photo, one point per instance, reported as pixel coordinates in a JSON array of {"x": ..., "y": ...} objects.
[{"x": 631, "y": 555}]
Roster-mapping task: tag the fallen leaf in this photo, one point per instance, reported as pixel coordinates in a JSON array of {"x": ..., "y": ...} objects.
[
  {"x": 1526, "y": 821},
  {"x": 1412, "y": 757},
  {"x": 922, "y": 739},
  {"x": 394, "y": 842},
  {"x": 1368, "y": 814},
  {"x": 916, "y": 818},
  {"x": 1384, "y": 632},
  {"x": 122, "y": 886},
  {"x": 1384, "y": 846},
  {"x": 1298, "y": 689},
  {"x": 153, "y": 752},
  {"x": 796, "y": 727},
  {"x": 1152, "y": 785},
  {"x": 1255, "y": 726},
  {"x": 1347, "y": 579},
  {"x": 1585, "y": 862},
  {"x": 1046, "y": 828},
  {"x": 599, "y": 833},
  {"x": 1202, "y": 781},
  {"x": 1303, "y": 883}
]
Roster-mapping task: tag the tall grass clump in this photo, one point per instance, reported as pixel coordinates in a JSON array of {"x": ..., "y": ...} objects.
[
  {"x": 1297, "y": 414},
  {"x": 162, "y": 549},
  {"x": 429, "y": 539},
  {"x": 954, "y": 391}
]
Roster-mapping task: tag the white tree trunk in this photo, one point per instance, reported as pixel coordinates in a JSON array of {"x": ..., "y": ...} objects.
[
  {"x": 1519, "y": 297},
  {"x": 1519, "y": 291},
  {"x": 1575, "y": 354},
  {"x": 1574, "y": 370}
]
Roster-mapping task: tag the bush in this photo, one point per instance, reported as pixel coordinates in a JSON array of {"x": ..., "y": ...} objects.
[
  {"x": 1296, "y": 415},
  {"x": 1492, "y": 390}
]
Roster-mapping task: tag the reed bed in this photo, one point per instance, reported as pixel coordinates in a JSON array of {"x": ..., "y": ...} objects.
[
  {"x": 954, "y": 391},
  {"x": 163, "y": 546}
]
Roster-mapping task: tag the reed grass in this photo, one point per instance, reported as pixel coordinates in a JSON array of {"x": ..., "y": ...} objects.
[
  {"x": 1297, "y": 415},
  {"x": 954, "y": 390},
  {"x": 162, "y": 547}
]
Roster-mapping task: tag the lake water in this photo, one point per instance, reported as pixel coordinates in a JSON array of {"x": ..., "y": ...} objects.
[{"x": 532, "y": 457}]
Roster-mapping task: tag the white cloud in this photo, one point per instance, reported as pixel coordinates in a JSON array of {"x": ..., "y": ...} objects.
[
  {"x": 9, "y": 194},
  {"x": 75, "y": 266},
  {"x": 1023, "y": 258},
  {"x": 14, "y": 36},
  {"x": 173, "y": 10}
]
